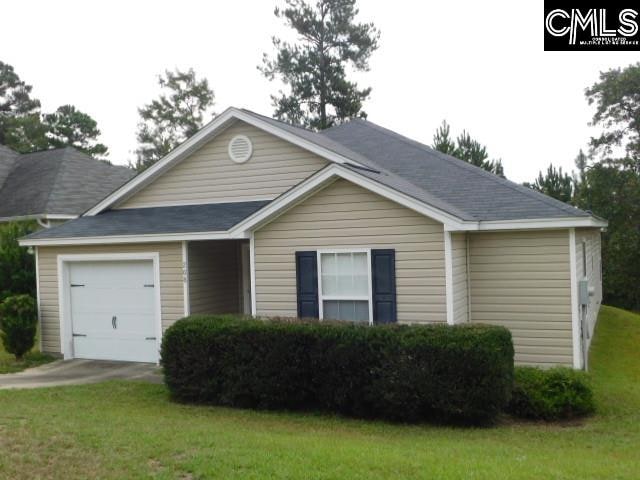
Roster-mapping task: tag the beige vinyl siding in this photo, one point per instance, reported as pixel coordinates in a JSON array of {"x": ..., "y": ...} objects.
[
  {"x": 171, "y": 284},
  {"x": 344, "y": 215},
  {"x": 521, "y": 280},
  {"x": 591, "y": 238},
  {"x": 209, "y": 175},
  {"x": 214, "y": 280},
  {"x": 460, "y": 286}
]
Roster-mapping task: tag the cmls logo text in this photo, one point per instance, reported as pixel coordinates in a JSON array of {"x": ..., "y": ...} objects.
[{"x": 579, "y": 28}]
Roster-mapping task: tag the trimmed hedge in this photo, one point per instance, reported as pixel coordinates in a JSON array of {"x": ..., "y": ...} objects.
[
  {"x": 400, "y": 373},
  {"x": 555, "y": 394}
]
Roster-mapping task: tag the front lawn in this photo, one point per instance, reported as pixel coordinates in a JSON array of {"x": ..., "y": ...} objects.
[{"x": 132, "y": 430}]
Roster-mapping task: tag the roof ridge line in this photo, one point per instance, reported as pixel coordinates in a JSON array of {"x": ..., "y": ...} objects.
[{"x": 53, "y": 184}]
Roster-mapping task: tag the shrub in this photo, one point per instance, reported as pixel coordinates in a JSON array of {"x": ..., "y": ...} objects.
[
  {"x": 17, "y": 265},
  {"x": 18, "y": 324},
  {"x": 403, "y": 373},
  {"x": 554, "y": 394}
]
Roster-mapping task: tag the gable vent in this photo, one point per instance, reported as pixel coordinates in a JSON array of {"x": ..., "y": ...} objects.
[{"x": 240, "y": 148}]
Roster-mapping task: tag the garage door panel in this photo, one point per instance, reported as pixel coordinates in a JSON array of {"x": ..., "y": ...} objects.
[
  {"x": 113, "y": 310},
  {"x": 126, "y": 350},
  {"x": 137, "y": 272}
]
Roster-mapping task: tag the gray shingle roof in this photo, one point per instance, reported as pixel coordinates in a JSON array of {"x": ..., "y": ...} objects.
[
  {"x": 439, "y": 180},
  {"x": 7, "y": 160},
  {"x": 460, "y": 188},
  {"x": 214, "y": 217},
  {"x": 63, "y": 181}
]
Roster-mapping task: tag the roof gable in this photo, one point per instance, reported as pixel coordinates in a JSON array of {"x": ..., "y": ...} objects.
[
  {"x": 304, "y": 139},
  {"x": 209, "y": 175}
]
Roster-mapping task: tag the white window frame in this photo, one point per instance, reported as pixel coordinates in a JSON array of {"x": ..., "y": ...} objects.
[{"x": 322, "y": 298}]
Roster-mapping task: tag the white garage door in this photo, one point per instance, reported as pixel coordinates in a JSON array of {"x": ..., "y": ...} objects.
[{"x": 113, "y": 310}]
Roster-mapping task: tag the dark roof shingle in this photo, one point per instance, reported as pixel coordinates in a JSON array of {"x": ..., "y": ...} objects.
[
  {"x": 215, "y": 217},
  {"x": 476, "y": 193},
  {"x": 63, "y": 181}
]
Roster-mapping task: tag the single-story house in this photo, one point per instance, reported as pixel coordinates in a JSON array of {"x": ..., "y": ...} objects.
[
  {"x": 252, "y": 215},
  {"x": 53, "y": 186}
]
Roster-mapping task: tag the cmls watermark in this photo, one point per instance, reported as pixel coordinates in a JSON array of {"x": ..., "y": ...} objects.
[{"x": 608, "y": 28}]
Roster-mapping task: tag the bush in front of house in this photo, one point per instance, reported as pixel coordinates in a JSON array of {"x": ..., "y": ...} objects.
[
  {"x": 555, "y": 394},
  {"x": 18, "y": 324},
  {"x": 400, "y": 373}
]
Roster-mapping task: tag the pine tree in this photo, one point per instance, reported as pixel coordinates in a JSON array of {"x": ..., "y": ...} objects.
[
  {"x": 177, "y": 114},
  {"x": 554, "y": 183},
  {"x": 70, "y": 127},
  {"x": 465, "y": 148},
  {"x": 442, "y": 140},
  {"x": 20, "y": 126},
  {"x": 315, "y": 67}
]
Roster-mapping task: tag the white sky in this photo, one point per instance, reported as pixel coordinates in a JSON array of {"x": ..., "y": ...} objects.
[{"x": 480, "y": 65}]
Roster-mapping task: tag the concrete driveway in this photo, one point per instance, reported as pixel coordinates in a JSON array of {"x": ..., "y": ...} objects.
[{"x": 77, "y": 372}]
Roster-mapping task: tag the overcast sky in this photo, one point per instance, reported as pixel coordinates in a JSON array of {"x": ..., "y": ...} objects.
[{"x": 480, "y": 65}]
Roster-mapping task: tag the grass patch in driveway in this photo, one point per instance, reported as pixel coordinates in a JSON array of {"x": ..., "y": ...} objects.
[{"x": 132, "y": 430}]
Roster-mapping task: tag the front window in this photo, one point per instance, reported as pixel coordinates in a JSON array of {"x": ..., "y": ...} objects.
[{"x": 345, "y": 285}]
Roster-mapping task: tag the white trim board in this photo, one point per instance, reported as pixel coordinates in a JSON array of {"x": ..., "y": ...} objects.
[
  {"x": 448, "y": 276},
  {"x": 252, "y": 263},
  {"x": 206, "y": 134},
  {"x": 39, "y": 216},
  {"x": 146, "y": 238},
  {"x": 186, "y": 298},
  {"x": 575, "y": 308},
  {"x": 64, "y": 294},
  {"x": 37, "y": 265},
  {"x": 539, "y": 223}
]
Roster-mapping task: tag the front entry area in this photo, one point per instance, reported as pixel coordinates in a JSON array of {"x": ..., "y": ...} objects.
[{"x": 112, "y": 310}]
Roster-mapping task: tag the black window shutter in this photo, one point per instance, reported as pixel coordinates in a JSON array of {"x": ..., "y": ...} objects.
[
  {"x": 307, "y": 284},
  {"x": 383, "y": 271}
]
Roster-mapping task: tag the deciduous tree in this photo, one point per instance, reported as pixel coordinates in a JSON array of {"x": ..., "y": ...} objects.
[
  {"x": 174, "y": 116},
  {"x": 616, "y": 97}
]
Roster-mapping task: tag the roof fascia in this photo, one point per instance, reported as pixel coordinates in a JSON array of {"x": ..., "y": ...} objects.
[
  {"x": 537, "y": 223},
  {"x": 39, "y": 216},
  {"x": 116, "y": 239}
]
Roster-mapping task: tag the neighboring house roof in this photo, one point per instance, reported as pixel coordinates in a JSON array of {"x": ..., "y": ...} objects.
[
  {"x": 7, "y": 160},
  {"x": 61, "y": 182},
  {"x": 214, "y": 217}
]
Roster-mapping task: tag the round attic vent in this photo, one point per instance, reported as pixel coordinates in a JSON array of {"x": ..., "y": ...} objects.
[{"x": 240, "y": 148}]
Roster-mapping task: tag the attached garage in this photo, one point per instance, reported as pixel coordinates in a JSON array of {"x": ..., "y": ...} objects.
[{"x": 110, "y": 306}]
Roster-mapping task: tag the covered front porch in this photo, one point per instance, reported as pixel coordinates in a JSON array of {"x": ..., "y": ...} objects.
[{"x": 217, "y": 277}]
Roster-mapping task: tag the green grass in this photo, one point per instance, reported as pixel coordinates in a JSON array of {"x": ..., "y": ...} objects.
[
  {"x": 132, "y": 430},
  {"x": 8, "y": 363}
]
